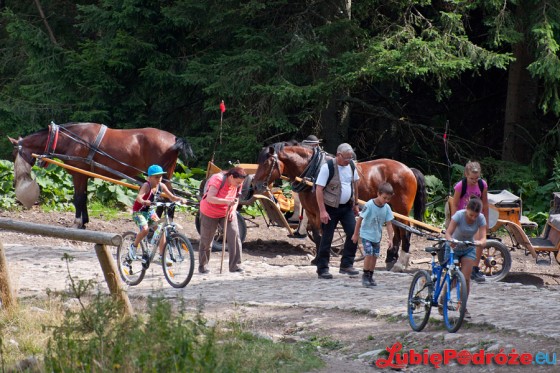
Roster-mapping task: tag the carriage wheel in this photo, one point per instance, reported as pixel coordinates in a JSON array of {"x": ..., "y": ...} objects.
[
  {"x": 337, "y": 245},
  {"x": 217, "y": 241},
  {"x": 496, "y": 260}
]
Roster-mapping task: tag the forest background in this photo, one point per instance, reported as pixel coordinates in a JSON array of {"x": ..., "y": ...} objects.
[{"x": 432, "y": 84}]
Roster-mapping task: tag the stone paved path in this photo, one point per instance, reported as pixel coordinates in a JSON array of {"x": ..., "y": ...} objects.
[{"x": 509, "y": 306}]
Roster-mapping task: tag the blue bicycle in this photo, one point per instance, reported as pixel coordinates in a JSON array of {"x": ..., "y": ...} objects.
[{"x": 445, "y": 280}]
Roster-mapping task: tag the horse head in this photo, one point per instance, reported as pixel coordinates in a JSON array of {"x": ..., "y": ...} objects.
[
  {"x": 21, "y": 150},
  {"x": 270, "y": 168}
]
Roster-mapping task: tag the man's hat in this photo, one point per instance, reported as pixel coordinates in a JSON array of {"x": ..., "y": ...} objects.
[
  {"x": 311, "y": 140},
  {"x": 155, "y": 170}
]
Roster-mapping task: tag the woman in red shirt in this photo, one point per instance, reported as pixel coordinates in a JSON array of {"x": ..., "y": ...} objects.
[{"x": 221, "y": 197}]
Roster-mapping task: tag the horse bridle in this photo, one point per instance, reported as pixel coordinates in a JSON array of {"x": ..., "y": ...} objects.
[{"x": 264, "y": 184}]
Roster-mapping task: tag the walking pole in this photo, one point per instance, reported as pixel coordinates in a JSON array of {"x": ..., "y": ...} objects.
[{"x": 225, "y": 235}]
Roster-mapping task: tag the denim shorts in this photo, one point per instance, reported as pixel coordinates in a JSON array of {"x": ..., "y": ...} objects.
[
  {"x": 469, "y": 252},
  {"x": 144, "y": 218},
  {"x": 371, "y": 248}
]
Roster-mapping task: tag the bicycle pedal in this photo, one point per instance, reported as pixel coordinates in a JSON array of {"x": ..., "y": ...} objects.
[{"x": 145, "y": 261}]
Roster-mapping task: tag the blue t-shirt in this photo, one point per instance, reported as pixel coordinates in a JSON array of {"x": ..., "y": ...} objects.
[
  {"x": 373, "y": 219},
  {"x": 465, "y": 231}
]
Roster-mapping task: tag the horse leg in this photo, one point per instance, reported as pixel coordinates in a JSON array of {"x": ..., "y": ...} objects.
[
  {"x": 80, "y": 201},
  {"x": 404, "y": 258},
  {"x": 316, "y": 233},
  {"x": 393, "y": 251}
]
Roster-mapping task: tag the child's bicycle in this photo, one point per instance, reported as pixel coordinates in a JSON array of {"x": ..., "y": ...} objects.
[
  {"x": 177, "y": 259},
  {"x": 426, "y": 288}
]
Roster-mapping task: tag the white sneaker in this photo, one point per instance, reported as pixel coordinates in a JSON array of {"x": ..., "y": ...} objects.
[{"x": 157, "y": 260}]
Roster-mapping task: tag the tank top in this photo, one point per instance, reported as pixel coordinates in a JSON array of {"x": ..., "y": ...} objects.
[{"x": 148, "y": 196}]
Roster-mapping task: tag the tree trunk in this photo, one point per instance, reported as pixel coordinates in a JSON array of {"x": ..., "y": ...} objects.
[
  {"x": 521, "y": 104},
  {"x": 335, "y": 118}
]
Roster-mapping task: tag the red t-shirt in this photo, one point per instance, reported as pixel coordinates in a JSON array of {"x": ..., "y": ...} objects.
[{"x": 228, "y": 191}]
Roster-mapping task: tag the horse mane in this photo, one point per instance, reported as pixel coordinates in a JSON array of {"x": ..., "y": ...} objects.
[
  {"x": 277, "y": 146},
  {"x": 184, "y": 147}
]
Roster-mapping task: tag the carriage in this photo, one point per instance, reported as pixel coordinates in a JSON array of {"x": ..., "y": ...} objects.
[{"x": 506, "y": 213}]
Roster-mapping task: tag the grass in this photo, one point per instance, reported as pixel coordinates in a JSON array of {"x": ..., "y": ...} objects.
[
  {"x": 23, "y": 329},
  {"x": 98, "y": 210},
  {"x": 93, "y": 336}
]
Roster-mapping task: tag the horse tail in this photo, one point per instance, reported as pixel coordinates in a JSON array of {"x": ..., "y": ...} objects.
[
  {"x": 184, "y": 147},
  {"x": 420, "y": 199}
]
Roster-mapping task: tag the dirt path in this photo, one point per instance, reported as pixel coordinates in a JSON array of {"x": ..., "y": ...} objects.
[{"x": 279, "y": 297}]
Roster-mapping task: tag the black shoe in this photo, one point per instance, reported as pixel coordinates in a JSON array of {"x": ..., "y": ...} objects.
[
  {"x": 325, "y": 275},
  {"x": 203, "y": 270},
  {"x": 298, "y": 235},
  {"x": 477, "y": 276},
  {"x": 350, "y": 271},
  {"x": 237, "y": 270}
]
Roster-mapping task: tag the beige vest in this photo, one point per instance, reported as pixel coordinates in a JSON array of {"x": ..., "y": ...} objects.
[{"x": 331, "y": 192}]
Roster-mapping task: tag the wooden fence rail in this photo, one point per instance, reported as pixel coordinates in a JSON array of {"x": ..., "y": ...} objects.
[{"x": 100, "y": 239}]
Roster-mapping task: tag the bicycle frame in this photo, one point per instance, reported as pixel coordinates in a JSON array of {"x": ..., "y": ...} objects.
[
  {"x": 177, "y": 259},
  {"x": 441, "y": 274},
  {"x": 444, "y": 287}
]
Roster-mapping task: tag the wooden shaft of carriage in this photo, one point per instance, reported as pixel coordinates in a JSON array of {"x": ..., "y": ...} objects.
[
  {"x": 89, "y": 173},
  {"x": 395, "y": 214}
]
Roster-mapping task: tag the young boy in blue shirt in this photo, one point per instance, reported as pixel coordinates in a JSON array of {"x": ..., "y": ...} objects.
[{"x": 369, "y": 228}]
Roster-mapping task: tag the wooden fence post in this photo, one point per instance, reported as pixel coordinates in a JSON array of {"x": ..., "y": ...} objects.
[
  {"x": 6, "y": 295},
  {"x": 112, "y": 277}
]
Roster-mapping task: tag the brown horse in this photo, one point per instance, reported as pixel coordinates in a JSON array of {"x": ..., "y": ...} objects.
[
  {"x": 96, "y": 148},
  {"x": 297, "y": 161}
]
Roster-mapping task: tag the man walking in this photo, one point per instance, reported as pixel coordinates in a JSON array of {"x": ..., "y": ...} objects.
[{"x": 337, "y": 197}]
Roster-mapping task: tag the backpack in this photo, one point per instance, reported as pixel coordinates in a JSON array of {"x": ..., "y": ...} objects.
[
  {"x": 464, "y": 186},
  {"x": 224, "y": 178}
]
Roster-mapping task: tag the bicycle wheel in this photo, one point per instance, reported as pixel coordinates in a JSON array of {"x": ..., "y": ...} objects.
[
  {"x": 454, "y": 301},
  {"x": 420, "y": 300},
  {"x": 495, "y": 261},
  {"x": 180, "y": 253},
  {"x": 131, "y": 269}
]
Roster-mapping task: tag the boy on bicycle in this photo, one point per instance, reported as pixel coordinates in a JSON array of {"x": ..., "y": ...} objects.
[
  {"x": 143, "y": 212},
  {"x": 369, "y": 228}
]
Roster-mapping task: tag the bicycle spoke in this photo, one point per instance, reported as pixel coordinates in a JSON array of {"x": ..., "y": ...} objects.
[
  {"x": 179, "y": 252},
  {"x": 455, "y": 302},
  {"x": 130, "y": 268},
  {"x": 419, "y": 300}
]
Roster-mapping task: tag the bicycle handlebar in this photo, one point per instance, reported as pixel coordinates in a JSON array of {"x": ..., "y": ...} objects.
[
  {"x": 442, "y": 239},
  {"x": 169, "y": 204}
]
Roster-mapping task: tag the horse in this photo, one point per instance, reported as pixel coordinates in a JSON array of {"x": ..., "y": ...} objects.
[
  {"x": 294, "y": 161},
  {"x": 95, "y": 147}
]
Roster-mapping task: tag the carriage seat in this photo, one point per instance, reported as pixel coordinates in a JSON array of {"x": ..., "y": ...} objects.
[
  {"x": 505, "y": 205},
  {"x": 548, "y": 243}
]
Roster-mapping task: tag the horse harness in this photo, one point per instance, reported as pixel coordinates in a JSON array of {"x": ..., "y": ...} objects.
[
  {"x": 309, "y": 173},
  {"x": 50, "y": 148}
]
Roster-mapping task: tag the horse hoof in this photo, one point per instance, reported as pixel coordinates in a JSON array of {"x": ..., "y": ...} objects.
[
  {"x": 389, "y": 265},
  {"x": 397, "y": 267}
]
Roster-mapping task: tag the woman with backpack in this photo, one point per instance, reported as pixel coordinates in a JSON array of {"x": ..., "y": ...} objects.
[
  {"x": 218, "y": 203},
  {"x": 471, "y": 185}
]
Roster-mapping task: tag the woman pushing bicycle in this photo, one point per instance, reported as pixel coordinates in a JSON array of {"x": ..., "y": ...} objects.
[{"x": 467, "y": 225}]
